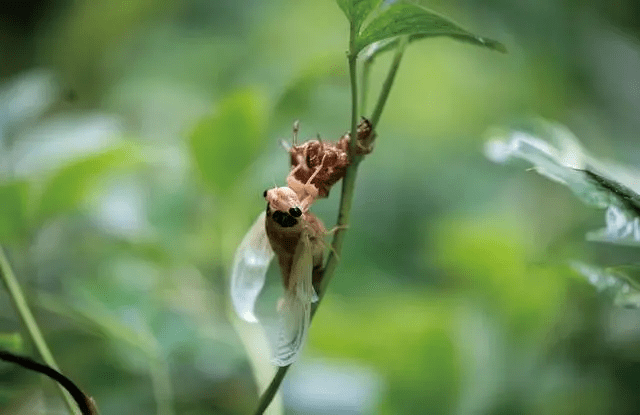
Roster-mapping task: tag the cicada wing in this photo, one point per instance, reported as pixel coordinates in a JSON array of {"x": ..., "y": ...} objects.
[
  {"x": 295, "y": 310},
  {"x": 249, "y": 269}
]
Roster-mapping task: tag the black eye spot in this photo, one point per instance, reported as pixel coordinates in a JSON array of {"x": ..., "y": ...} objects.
[
  {"x": 295, "y": 212},
  {"x": 278, "y": 216},
  {"x": 264, "y": 194},
  {"x": 284, "y": 219}
]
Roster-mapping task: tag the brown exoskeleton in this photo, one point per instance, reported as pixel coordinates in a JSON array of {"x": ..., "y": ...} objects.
[{"x": 323, "y": 163}]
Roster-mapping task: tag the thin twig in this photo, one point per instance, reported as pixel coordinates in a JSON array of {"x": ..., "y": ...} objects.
[
  {"x": 85, "y": 403},
  {"x": 388, "y": 82},
  {"x": 271, "y": 391},
  {"x": 142, "y": 339},
  {"x": 364, "y": 82},
  {"x": 21, "y": 306}
]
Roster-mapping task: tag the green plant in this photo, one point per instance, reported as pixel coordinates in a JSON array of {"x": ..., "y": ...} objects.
[
  {"x": 557, "y": 154},
  {"x": 35, "y": 201},
  {"x": 388, "y": 28}
]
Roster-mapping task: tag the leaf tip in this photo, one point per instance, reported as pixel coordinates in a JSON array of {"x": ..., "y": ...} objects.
[{"x": 493, "y": 44}]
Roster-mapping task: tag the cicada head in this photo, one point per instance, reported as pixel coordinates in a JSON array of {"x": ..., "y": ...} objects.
[{"x": 284, "y": 207}]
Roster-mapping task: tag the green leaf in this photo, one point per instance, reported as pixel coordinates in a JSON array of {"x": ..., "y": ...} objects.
[
  {"x": 419, "y": 23},
  {"x": 225, "y": 143},
  {"x": 562, "y": 159},
  {"x": 618, "y": 283},
  {"x": 627, "y": 197},
  {"x": 70, "y": 185},
  {"x": 357, "y": 10},
  {"x": 13, "y": 210},
  {"x": 628, "y": 273}
]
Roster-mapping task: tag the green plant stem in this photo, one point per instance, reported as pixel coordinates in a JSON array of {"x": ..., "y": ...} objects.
[
  {"x": 364, "y": 82},
  {"x": 388, "y": 82},
  {"x": 353, "y": 59},
  {"x": 346, "y": 200},
  {"x": 346, "y": 197},
  {"x": 21, "y": 306},
  {"x": 272, "y": 389}
]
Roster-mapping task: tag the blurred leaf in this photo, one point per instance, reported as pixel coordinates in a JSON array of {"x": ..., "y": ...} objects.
[
  {"x": 564, "y": 161},
  {"x": 377, "y": 48},
  {"x": 417, "y": 22},
  {"x": 225, "y": 143},
  {"x": 357, "y": 10},
  {"x": 71, "y": 185},
  {"x": 626, "y": 196},
  {"x": 296, "y": 100},
  {"x": 13, "y": 210},
  {"x": 618, "y": 283},
  {"x": 629, "y": 273},
  {"x": 11, "y": 342},
  {"x": 559, "y": 160},
  {"x": 622, "y": 218},
  {"x": 622, "y": 227}
]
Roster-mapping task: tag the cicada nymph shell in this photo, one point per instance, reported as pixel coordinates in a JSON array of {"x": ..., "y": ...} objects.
[{"x": 323, "y": 163}]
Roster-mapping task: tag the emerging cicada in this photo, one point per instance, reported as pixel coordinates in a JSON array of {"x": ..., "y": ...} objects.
[{"x": 296, "y": 237}]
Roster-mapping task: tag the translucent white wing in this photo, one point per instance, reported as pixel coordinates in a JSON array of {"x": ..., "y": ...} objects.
[
  {"x": 295, "y": 312},
  {"x": 249, "y": 269}
]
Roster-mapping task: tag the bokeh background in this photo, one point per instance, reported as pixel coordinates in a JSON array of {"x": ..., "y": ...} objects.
[{"x": 137, "y": 137}]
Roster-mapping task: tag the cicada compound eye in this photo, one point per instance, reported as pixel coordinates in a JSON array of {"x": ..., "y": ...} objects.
[
  {"x": 264, "y": 194},
  {"x": 295, "y": 212}
]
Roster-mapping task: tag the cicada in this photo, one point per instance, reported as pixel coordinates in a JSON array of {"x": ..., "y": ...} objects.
[{"x": 296, "y": 237}]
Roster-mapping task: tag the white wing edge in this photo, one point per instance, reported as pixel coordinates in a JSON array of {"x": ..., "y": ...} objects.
[
  {"x": 249, "y": 269},
  {"x": 295, "y": 312}
]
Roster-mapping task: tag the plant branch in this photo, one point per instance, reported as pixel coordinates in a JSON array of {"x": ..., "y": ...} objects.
[
  {"x": 85, "y": 403},
  {"x": 353, "y": 59},
  {"x": 271, "y": 390},
  {"x": 364, "y": 82},
  {"x": 388, "y": 82},
  {"x": 346, "y": 197},
  {"x": 21, "y": 306}
]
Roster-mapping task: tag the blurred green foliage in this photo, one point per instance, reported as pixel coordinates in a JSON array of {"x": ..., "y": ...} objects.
[
  {"x": 11, "y": 342},
  {"x": 70, "y": 185},
  {"x": 238, "y": 125},
  {"x": 14, "y": 196},
  {"x": 130, "y": 172}
]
